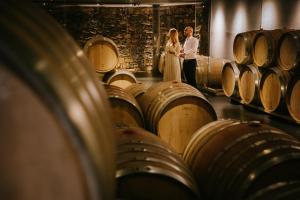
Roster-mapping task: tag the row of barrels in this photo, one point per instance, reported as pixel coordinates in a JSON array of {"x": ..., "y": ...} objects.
[
  {"x": 57, "y": 137},
  {"x": 218, "y": 155},
  {"x": 273, "y": 89},
  {"x": 268, "y": 48},
  {"x": 234, "y": 160},
  {"x": 58, "y": 142},
  {"x": 224, "y": 159},
  {"x": 172, "y": 110}
]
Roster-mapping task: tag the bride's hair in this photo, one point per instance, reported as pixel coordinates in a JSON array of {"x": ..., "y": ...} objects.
[{"x": 173, "y": 33}]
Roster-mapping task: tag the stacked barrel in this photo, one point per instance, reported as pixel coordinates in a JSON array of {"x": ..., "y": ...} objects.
[
  {"x": 209, "y": 72},
  {"x": 55, "y": 142},
  {"x": 265, "y": 72},
  {"x": 148, "y": 168},
  {"x": 234, "y": 160},
  {"x": 154, "y": 125}
]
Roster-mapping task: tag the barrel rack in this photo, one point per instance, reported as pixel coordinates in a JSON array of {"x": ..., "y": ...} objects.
[
  {"x": 276, "y": 114},
  {"x": 213, "y": 91}
]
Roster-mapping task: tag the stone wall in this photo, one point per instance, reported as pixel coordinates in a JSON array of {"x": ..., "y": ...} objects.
[{"x": 129, "y": 27}]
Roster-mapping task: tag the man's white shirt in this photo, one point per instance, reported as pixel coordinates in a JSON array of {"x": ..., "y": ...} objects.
[{"x": 190, "y": 48}]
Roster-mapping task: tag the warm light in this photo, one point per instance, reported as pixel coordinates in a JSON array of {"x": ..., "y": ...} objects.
[
  {"x": 270, "y": 15},
  {"x": 295, "y": 22},
  {"x": 240, "y": 19},
  {"x": 218, "y": 31}
]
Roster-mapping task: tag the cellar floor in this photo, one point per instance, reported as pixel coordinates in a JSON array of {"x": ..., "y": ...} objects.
[{"x": 226, "y": 108}]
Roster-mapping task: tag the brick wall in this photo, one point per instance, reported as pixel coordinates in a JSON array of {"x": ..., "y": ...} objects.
[{"x": 129, "y": 27}]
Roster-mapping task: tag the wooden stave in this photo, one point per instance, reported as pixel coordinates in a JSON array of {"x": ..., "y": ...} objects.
[
  {"x": 168, "y": 95},
  {"x": 234, "y": 154},
  {"x": 278, "y": 191},
  {"x": 242, "y": 179},
  {"x": 137, "y": 89},
  {"x": 112, "y": 76},
  {"x": 236, "y": 72},
  {"x": 155, "y": 165},
  {"x": 295, "y": 35},
  {"x": 272, "y": 37},
  {"x": 32, "y": 22},
  {"x": 202, "y": 70},
  {"x": 215, "y": 72},
  {"x": 247, "y": 37},
  {"x": 284, "y": 78},
  {"x": 257, "y": 75},
  {"x": 284, "y": 154},
  {"x": 290, "y": 89},
  {"x": 87, "y": 78},
  {"x": 23, "y": 147},
  {"x": 118, "y": 93},
  {"x": 188, "y": 157},
  {"x": 100, "y": 38}
]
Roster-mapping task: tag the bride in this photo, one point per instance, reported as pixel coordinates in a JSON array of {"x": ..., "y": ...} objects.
[{"x": 172, "y": 65}]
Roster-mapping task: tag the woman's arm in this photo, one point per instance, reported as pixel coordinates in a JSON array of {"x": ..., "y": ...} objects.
[
  {"x": 177, "y": 49},
  {"x": 174, "y": 49}
]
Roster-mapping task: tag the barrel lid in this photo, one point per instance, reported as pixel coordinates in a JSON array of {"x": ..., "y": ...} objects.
[{"x": 102, "y": 52}]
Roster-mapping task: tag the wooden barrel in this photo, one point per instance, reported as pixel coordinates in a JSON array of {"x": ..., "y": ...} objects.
[
  {"x": 202, "y": 71},
  {"x": 289, "y": 45},
  {"x": 126, "y": 111},
  {"x": 55, "y": 142},
  {"x": 278, "y": 191},
  {"x": 242, "y": 47},
  {"x": 147, "y": 168},
  {"x": 292, "y": 98},
  {"x": 232, "y": 159},
  {"x": 265, "y": 46},
  {"x": 230, "y": 79},
  {"x": 273, "y": 86},
  {"x": 137, "y": 90},
  {"x": 215, "y": 72},
  {"x": 120, "y": 78},
  {"x": 174, "y": 111},
  {"x": 249, "y": 81},
  {"x": 102, "y": 52}
]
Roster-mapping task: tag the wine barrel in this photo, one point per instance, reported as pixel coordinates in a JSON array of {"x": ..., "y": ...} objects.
[
  {"x": 147, "y": 168},
  {"x": 242, "y": 47},
  {"x": 102, "y": 52},
  {"x": 55, "y": 143},
  {"x": 137, "y": 90},
  {"x": 233, "y": 160},
  {"x": 202, "y": 71},
  {"x": 249, "y": 81},
  {"x": 215, "y": 72},
  {"x": 126, "y": 111},
  {"x": 174, "y": 111},
  {"x": 230, "y": 79},
  {"x": 273, "y": 86},
  {"x": 278, "y": 191},
  {"x": 120, "y": 78},
  {"x": 292, "y": 98},
  {"x": 265, "y": 46},
  {"x": 288, "y": 48}
]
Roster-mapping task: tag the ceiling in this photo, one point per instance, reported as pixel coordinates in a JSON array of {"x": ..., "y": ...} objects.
[{"x": 121, "y": 1}]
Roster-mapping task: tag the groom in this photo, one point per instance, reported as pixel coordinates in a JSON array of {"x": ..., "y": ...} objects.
[{"x": 189, "y": 52}]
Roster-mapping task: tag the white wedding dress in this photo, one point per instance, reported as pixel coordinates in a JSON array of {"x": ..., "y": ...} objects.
[{"x": 172, "y": 69}]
